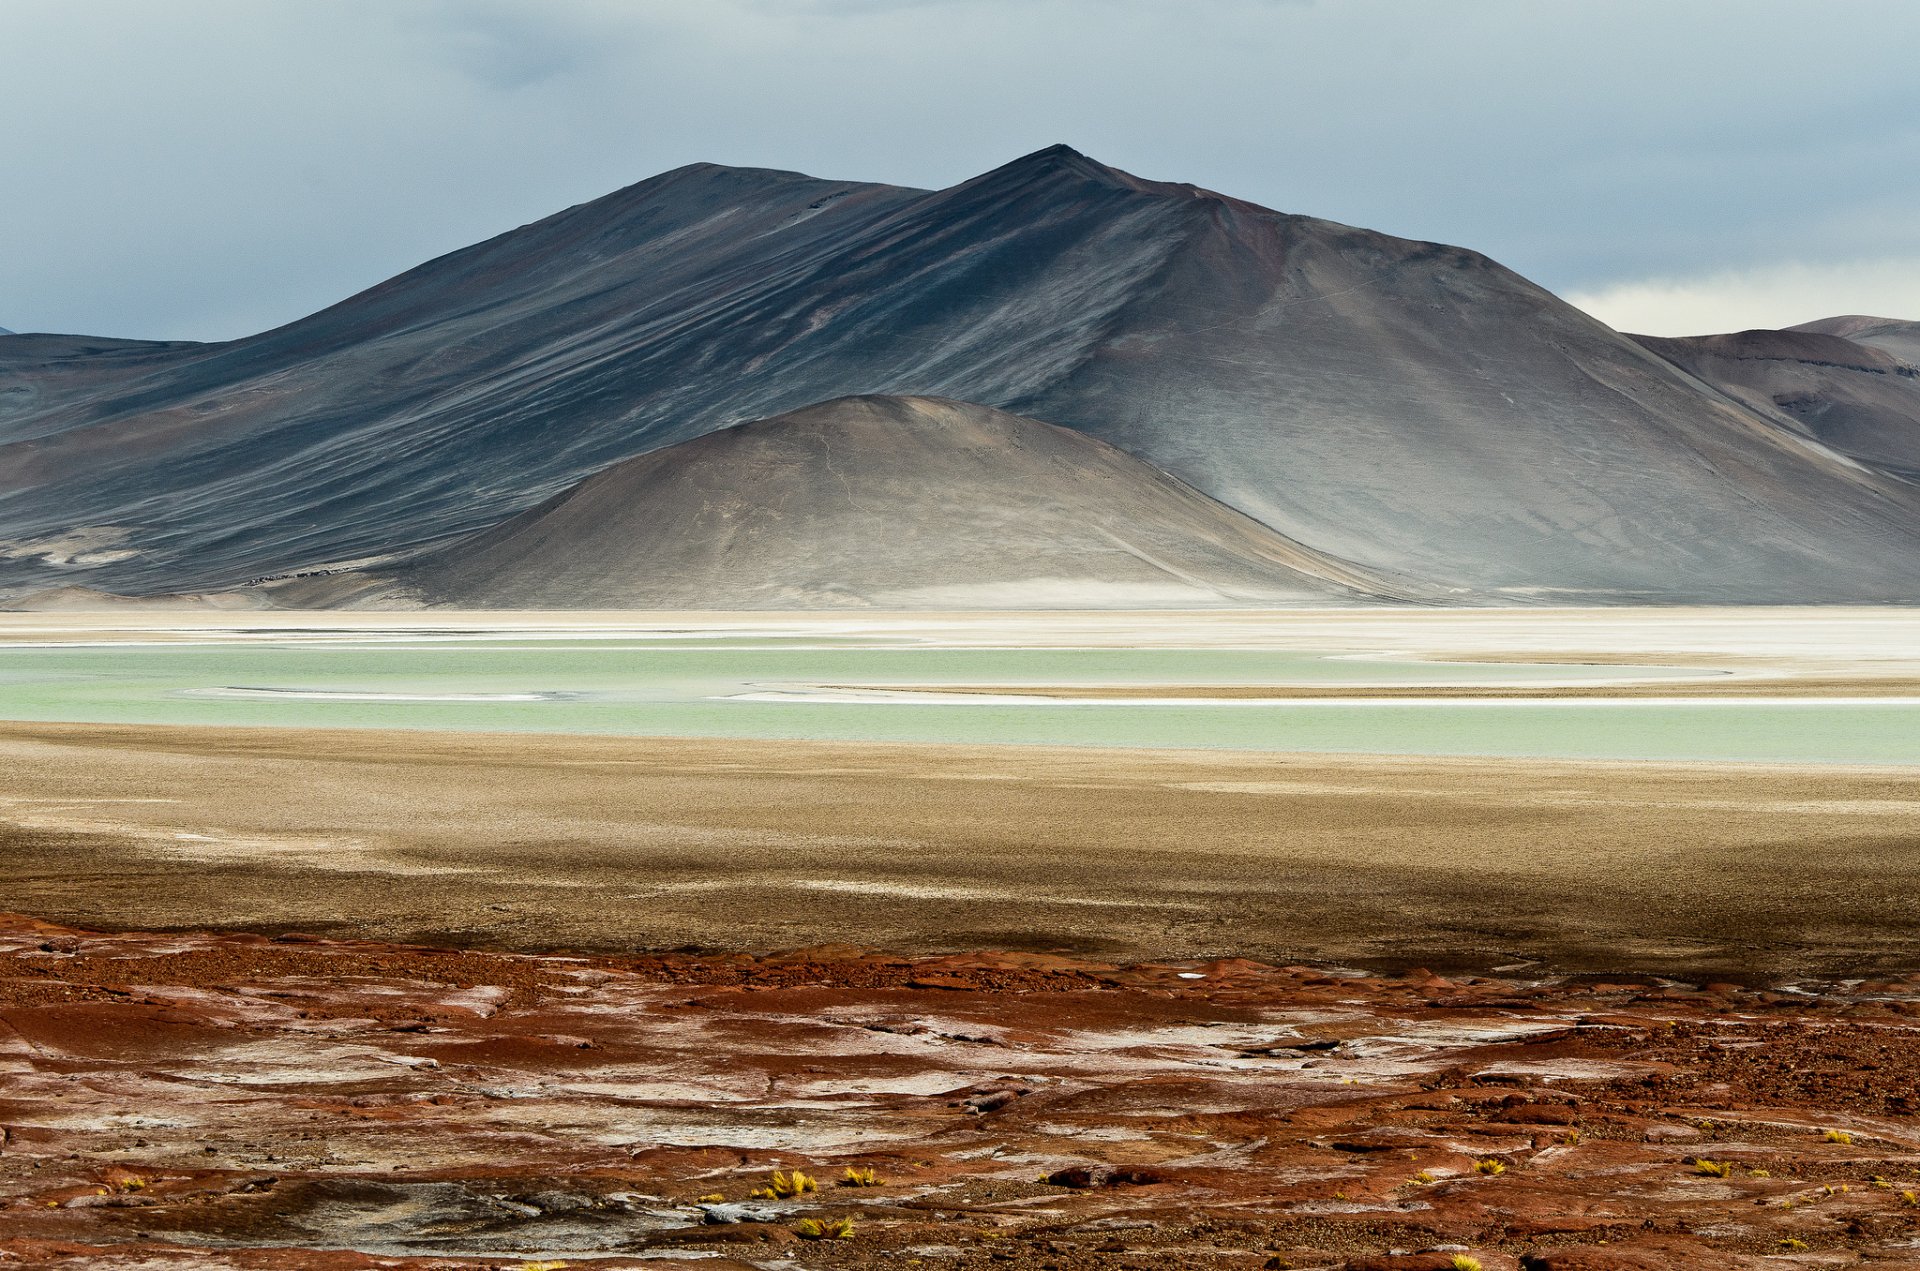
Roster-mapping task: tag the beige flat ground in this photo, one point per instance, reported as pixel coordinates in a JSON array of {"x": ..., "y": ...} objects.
[{"x": 610, "y": 843}]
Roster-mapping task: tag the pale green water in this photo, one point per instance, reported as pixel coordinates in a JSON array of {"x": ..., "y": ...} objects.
[{"x": 670, "y": 688}]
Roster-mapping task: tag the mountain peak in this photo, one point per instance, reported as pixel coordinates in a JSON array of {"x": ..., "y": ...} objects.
[{"x": 1063, "y": 160}]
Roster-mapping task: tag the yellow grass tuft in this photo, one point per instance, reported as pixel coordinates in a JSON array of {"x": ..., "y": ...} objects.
[
  {"x": 1490, "y": 1167},
  {"x": 1712, "y": 1169},
  {"x": 712, "y": 1198},
  {"x": 1466, "y": 1262},
  {"x": 824, "y": 1229},
  {"x": 864, "y": 1177},
  {"x": 786, "y": 1186},
  {"x": 1838, "y": 1136}
]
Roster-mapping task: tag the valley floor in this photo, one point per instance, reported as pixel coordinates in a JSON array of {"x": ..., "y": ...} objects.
[{"x": 384, "y": 996}]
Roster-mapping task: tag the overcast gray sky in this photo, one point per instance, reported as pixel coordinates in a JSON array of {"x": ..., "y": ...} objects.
[{"x": 208, "y": 168}]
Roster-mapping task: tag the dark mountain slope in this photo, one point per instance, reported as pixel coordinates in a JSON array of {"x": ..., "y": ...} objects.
[
  {"x": 477, "y": 384},
  {"x": 436, "y": 403},
  {"x": 1861, "y": 400},
  {"x": 891, "y": 501},
  {"x": 1414, "y": 408},
  {"x": 43, "y": 378}
]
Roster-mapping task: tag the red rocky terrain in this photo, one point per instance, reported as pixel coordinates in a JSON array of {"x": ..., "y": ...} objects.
[{"x": 193, "y": 1100}]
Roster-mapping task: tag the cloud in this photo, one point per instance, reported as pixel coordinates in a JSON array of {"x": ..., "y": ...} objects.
[
  {"x": 207, "y": 168},
  {"x": 509, "y": 47},
  {"x": 1767, "y": 297}
]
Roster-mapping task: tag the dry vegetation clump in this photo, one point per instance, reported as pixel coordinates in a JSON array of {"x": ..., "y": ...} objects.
[{"x": 783, "y": 1186}]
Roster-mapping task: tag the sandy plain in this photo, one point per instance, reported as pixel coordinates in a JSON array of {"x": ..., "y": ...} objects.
[{"x": 626, "y": 843}]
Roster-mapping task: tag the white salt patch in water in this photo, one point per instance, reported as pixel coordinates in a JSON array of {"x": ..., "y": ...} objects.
[{"x": 369, "y": 695}]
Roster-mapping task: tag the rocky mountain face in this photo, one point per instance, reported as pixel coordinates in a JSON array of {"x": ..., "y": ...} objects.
[{"x": 1410, "y": 411}]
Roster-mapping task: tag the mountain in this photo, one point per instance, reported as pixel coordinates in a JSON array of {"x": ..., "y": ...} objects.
[
  {"x": 1893, "y": 335},
  {"x": 896, "y": 502},
  {"x": 1860, "y": 399},
  {"x": 1412, "y": 409}
]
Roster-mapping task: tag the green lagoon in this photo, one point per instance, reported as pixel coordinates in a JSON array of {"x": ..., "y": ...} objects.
[{"x": 697, "y": 687}]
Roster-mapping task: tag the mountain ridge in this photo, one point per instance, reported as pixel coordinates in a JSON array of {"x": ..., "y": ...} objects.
[
  {"x": 1860, "y": 399},
  {"x": 1411, "y": 407},
  {"x": 1897, "y": 336}
]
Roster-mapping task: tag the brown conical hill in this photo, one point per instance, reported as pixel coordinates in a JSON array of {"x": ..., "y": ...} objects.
[{"x": 896, "y": 502}]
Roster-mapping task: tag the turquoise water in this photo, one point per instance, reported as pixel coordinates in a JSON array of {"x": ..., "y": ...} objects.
[{"x": 679, "y": 687}]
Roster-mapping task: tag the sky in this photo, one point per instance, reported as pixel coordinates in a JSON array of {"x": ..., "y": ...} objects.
[{"x": 205, "y": 169}]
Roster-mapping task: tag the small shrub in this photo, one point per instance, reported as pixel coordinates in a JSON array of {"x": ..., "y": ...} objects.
[
  {"x": 1422, "y": 1178},
  {"x": 1712, "y": 1169},
  {"x": 1838, "y": 1136},
  {"x": 1910, "y": 1200},
  {"x": 824, "y": 1229},
  {"x": 1490, "y": 1167},
  {"x": 860, "y": 1178},
  {"x": 1571, "y": 1138},
  {"x": 1791, "y": 1243},
  {"x": 711, "y": 1198}
]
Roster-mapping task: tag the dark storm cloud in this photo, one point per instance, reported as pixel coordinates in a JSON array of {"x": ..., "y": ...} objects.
[{"x": 203, "y": 168}]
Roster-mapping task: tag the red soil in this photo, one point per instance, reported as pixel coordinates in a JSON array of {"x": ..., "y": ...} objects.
[{"x": 228, "y": 1101}]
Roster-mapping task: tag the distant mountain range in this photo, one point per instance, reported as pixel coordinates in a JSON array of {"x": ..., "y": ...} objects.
[{"x": 1069, "y": 386}]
